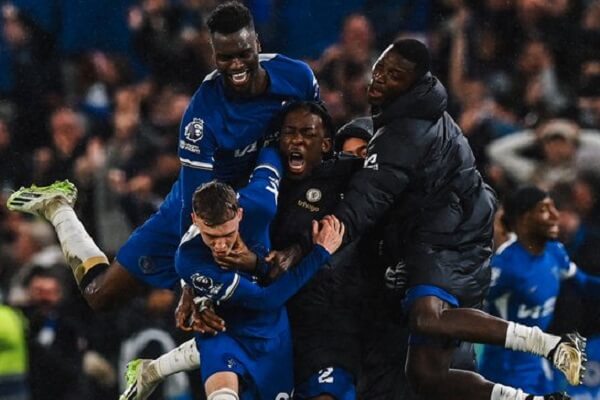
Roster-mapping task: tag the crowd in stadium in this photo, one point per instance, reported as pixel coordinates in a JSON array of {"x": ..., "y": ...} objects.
[{"x": 95, "y": 93}]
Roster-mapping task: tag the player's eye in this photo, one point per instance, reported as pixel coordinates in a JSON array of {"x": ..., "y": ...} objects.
[{"x": 223, "y": 57}]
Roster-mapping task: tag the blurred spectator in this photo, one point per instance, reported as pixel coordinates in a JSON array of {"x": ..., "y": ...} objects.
[
  {"x": 168, "y": 43},
  {"x": 334, "y": 101},
  {"x": 34, "y": 246},
  {"x": 354, "y": 50},
  {"x": 68, "y": 133},
  {"x": 165, "y": 112},
  {"x": 35, "y": 77},
  {"x": 12, "y": 163},
  {"x": 588, "y": 102},
  {"x": 555, "y": 152},
  {"x": 542, "y": 93},
  {"x": 13, "y": 355},
  {"x": 130, "y": 157},
  {"x": 345, "y": 65},
  {"x": 56, "y": 341},
  {"x": 98, "y": 76},
  {"x": 482, "y": 118}
]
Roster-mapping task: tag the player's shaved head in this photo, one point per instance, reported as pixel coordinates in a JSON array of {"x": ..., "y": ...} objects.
[
  {"x": 414, "y": 51},
  {"x": 229, "y": 17}
]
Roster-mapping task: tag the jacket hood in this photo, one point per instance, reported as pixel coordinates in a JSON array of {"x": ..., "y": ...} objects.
[{"x": 427, "y": 99}]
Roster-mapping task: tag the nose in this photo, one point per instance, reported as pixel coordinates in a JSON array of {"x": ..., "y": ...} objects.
[
  {"x": 297, "y": 137},
  {"x": 236, "y": 64},
  {"x": 554, "y": 213},
  {"x": 220, "y": 245}
]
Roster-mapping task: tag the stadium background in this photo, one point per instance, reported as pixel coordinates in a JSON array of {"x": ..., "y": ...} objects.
[{"x": 93, "y": 91}]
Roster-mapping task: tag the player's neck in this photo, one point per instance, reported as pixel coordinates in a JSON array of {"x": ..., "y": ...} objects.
[
  {"x": 261, "y": 83},
  {"x": 532, "y": 243}
]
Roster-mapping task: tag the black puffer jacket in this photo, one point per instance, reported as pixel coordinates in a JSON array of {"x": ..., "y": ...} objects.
[{"x": 420, "y": 185}]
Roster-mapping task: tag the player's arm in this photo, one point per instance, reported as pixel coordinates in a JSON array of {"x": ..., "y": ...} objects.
[
  {"x": 502, "y": 280},
  {"x": 374, "y": 188},
  {"x": 259, "y": 201},
  {"x": 238, "y": 290},
  {"x": 197, "y": 146},
  {"x": 588, "y": 284}
]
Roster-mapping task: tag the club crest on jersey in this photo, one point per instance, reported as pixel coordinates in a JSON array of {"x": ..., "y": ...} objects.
[
  {"x": 205, "y": 285},
  {"x": 313, "y": 195},
  {"x": 194, "y": 131},
  {"x": 146, "y": 264}
]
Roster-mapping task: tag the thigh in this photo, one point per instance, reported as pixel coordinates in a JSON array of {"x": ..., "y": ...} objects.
[
  {"x": 149, "y": 253},
  {"x": 428, "y": 362}
]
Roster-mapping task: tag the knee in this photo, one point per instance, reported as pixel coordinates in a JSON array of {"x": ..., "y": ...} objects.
[{"x": 97, "y": 298}]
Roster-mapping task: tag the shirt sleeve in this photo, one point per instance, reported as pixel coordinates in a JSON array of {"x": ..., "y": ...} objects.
[
  {"x": 259, "y": 197},
  {"x": 222, "y": 285},
  {"x": 197, "y": 146},
  {"x": 313, "y": 91},
  {"x": 374, "y": 188},
  {"x": 502, "y": 281},
  {"x": 567, "y": 268},
  {"x": 588, "y": 284}
]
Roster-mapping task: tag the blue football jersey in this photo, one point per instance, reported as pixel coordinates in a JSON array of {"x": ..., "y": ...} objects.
[
  {"x": 524, "y": 289},
  {"x": 248, "y": 308},
  {"x": 220, "y": 135},
  {"x": 257, "y": 345}
]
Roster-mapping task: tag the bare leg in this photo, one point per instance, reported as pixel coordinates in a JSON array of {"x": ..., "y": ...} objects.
[
  {"x": 111, "y": 287},
  {"x": 428, "y": 366},
  {"x": 222, "y": 386},
  {"x": 428, "y": 371},
  {"x": 434, "y": 317}
]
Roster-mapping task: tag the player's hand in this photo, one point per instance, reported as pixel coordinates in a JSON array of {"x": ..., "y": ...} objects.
[
  {"x": 329, "y": 233},
  {"x": 205, "y": 319},
  {"x": 281, "y": 260},
  {"x": 184, "y": 310},
  {"x": 240, "y": 257}
]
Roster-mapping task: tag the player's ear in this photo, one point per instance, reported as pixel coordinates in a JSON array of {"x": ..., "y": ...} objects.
[
  {"x": 193, "y": 217},
  {"x": 326, "y": 145},
  {"x": 240, "y": 213},
  {"x": 258, "y": 45}
]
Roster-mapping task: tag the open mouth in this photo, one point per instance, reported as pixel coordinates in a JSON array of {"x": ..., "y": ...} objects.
[
  {"x": 296, "y": 162},
  {"x": 374, "y": 93},
  {"x": 240, "y": 78}
]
